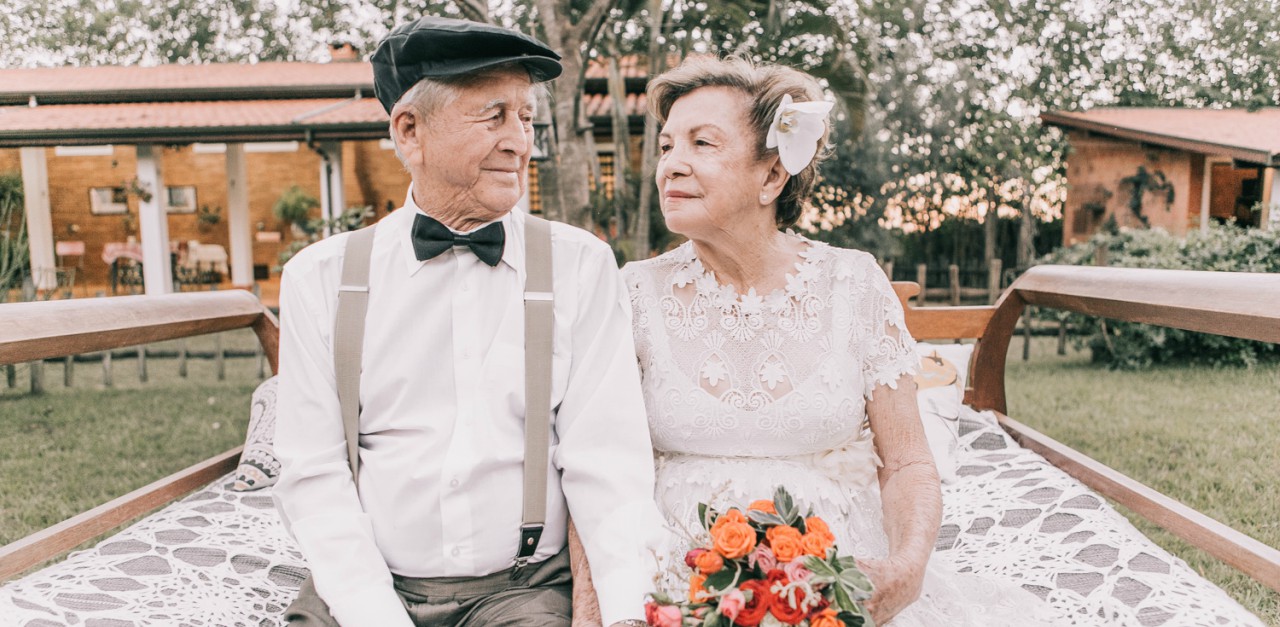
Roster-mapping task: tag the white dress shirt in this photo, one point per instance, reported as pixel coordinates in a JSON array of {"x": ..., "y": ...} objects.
[{"x": 441, "y": 429}]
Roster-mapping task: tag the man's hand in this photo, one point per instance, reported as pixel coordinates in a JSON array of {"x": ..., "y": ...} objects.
[{"x": 586, "y": 609}]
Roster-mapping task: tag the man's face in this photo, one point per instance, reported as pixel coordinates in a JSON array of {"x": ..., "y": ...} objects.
[{"x": 473, "y": 153}]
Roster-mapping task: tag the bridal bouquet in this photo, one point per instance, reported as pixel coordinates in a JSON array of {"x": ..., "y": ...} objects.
[{"x": 768, "y": 566}]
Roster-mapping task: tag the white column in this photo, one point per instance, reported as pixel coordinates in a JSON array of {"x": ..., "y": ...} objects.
[
  {"x": 238, "y": 217},
  {"x": 153, "y": 223},
  {"x": 35, "y": 187},
  {"x": 332, "y": 197}
]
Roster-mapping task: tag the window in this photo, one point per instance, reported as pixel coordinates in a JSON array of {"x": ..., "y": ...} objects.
[
  {"x": 535, "y": 190},
  {"x": 108, "y": 200},
  {"x": 180, "y": 199}
]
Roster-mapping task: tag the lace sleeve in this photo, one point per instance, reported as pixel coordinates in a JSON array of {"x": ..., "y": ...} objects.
[{"x": 888, "y": 348}]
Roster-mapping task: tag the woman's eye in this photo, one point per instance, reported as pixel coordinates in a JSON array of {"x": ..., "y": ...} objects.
[{"x": 664, "y": 148}]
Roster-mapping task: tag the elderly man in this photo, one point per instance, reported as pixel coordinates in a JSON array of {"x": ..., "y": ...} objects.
[{"x": 424, "y": 523}]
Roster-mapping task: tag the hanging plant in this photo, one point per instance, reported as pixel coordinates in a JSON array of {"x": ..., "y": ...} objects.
[{"x": 1142, "y": 182}]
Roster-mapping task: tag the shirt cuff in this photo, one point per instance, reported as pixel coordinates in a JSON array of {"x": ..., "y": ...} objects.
[
  {"x": 621, "y": 595},
  {"x": 368, "y": 606}
]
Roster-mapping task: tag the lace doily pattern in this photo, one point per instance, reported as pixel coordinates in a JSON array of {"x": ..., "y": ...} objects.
[
  {"x": 1013, "y": 515},
  {"x": 259, "y": 467},
  {"x": 217, "y": 558}
]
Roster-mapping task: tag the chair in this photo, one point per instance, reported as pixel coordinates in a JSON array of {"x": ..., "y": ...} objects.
[{"x": 70, "y": 255}]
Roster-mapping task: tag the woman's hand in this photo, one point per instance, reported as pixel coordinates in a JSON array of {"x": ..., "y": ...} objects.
[{"x": 897, "y": 584}]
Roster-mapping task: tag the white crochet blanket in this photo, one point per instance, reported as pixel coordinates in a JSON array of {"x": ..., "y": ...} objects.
[{"x": 222, "y": 558}]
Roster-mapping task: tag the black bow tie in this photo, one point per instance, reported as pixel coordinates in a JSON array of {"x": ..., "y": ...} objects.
[{"x": 430, "y": 238}]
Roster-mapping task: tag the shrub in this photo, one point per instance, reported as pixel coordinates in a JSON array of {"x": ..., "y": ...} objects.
[{"x": 1131, "y": 345}]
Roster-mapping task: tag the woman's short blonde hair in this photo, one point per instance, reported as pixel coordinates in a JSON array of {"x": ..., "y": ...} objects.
[{"x": 763, "y": 86}]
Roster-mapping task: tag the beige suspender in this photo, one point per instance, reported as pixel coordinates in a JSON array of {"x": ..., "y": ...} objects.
[
  {"x": 539, "y": 326},
  {"x": 348, "y": 337}
]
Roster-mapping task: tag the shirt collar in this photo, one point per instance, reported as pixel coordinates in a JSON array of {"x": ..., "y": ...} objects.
[{"x": 401, "y": 222}]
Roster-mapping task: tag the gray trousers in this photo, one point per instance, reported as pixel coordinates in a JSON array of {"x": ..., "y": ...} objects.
[{"x": 540, "y": 596}]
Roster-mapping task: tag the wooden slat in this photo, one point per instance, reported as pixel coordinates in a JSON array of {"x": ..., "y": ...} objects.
[
  {"x": 40, "y": 330},
  {"x": 1236, "y": 304},
  {"x": 1237, "y": 549},
  {"x": 18, "y": 556},
  {"x": 941, "y": 323},
  {"x": 267, "y": 327}
]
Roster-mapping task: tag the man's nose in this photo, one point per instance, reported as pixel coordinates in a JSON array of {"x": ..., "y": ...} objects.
[{"x": 515, "y": 137}]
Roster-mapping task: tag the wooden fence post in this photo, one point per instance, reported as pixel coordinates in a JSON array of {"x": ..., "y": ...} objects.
[
  {"x": 37, "y": 367},
  {"x": 993, "y": 281},
  {"x": 107, "y": 380},
  {"x": 182, "y": 358},
  {"x": 68, "y": 375},
  {"x": 922, "y": 275},
  {"x": 219, "y": 361},
  {"x": 1062, "y": 336},
  {"x": 142, "y": 363},
  {"x": 953, "y": 274}
]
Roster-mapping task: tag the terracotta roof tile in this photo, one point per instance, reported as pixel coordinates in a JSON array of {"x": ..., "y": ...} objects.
[
  {"x": 1235, "y": 132},
  {"x": 108, "y": 80},
  {"x": 239, "y": 113},
  {"x": 599, "y": 105}
]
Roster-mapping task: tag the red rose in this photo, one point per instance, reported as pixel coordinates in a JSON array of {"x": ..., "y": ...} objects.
[
  {"x": 691, "y": 558},
  {"x": 785, "y": 612},
  {"x": 755, "y": 609}
]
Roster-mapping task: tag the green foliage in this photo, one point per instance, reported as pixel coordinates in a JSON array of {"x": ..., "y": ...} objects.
[
  {"x": 350, "y": 220},
  {"x": 14, "y": 252},
  {"x": 294, "y": 206},
  {"x": 1129, "y": 345}
]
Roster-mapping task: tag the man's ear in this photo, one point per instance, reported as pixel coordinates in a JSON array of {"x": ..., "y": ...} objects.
[{"x": 404, "y": 131}]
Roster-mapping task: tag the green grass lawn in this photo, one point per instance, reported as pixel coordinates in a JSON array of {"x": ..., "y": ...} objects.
[
  {"x": 1207, "y": 437},
  {"x": 73, "y": 448}
]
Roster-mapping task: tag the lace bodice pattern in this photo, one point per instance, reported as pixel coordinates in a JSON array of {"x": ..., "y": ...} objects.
[
  {"x": 746, "y": 392},
  {"x": 752, "y": 375}
]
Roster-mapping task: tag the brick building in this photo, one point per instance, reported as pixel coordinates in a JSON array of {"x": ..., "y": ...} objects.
[
  {"x": 219, "y": 144},
  {"x": 1177, "y": 169}
]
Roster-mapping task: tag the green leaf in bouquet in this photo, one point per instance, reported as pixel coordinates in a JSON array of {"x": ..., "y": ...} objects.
[
  {"x": 861, "y": 618},
  {"x": 661, "y": 599},
  {"x": 706, "y": 515},
  {"x": 785, "y": 505},
  {"x": 845, "y": 563},
  {"x": 856, "y": 584},
  {"x": 764, "y": 518},
  {"x": 843, "y": 600},
  {"x": 714, "y": 619},
  {"x": 726, "y": 578},
  {"x": 822, "y": 571}
]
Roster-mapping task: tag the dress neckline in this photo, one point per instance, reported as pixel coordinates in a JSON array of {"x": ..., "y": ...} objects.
[{"x": 727, "y": 298}]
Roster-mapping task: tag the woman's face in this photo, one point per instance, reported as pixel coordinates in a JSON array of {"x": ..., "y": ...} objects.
[{"x": 708, "y": 175}]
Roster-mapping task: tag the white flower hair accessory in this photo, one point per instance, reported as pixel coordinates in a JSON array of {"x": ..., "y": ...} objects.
[{"x": 796, "y": 129}]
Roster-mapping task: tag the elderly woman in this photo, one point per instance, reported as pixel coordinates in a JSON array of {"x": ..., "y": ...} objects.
[{"x": 769, "y": 359}]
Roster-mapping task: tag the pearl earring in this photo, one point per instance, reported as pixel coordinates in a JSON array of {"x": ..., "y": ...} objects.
[{"x": 764, "y": 199}]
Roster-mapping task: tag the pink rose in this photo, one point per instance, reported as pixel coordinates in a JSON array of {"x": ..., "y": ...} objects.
[
  {"x": 796, "y": 571},
  {"x": 732, "y": 603},
  {"x": 662, "y": 615},
  {"x": 763, "y": 557}
]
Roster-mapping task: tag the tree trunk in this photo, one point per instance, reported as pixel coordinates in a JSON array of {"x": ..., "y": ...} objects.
[
  {"x": 1026, "y": 228},
  {"x": 990, "y": 223},
  {"x": 649, "y": 146},
  {"x": 622, "y": 198}
]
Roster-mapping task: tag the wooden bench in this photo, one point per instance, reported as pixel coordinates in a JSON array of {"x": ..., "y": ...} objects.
[{"x": 1237, "y": 305}]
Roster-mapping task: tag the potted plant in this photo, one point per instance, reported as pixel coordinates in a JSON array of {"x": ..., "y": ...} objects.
[{"x": 294, "y": 209}]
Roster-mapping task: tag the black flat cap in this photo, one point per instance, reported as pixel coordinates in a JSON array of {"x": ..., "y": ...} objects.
[{"x": 437, "y": 47}]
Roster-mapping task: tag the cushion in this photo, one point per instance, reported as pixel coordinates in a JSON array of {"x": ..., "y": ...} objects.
[
  {"x": 259, "y": 467},
  {"x": 940, "y": 383}
]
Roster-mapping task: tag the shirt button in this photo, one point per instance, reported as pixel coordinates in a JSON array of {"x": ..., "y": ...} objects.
[
  {"x": 466, "y": 354},
  {"x": 453, "y": 484},
  {"x": 457, "y": 551},
  {"x": 464, "y": 288}
]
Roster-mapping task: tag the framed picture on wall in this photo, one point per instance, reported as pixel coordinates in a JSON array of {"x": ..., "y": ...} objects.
[
  {"x": 108, "y": 201},
  {"x": 180, "y": 199}
]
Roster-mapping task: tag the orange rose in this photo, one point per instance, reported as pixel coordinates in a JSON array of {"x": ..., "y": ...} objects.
[
  {"x": 786, "y": 542},
  {"x": 763, "y": 506},
  {"x": 816, "y": 525},
  {"x": 734, "y": 539},
  {"x": 731, "y": 516},
  {"x": 697, "y": 591},
  {"x": 709, "y": 562},
  {"x": 816, "y": 544},
  {"x": 826, "y": 619}
]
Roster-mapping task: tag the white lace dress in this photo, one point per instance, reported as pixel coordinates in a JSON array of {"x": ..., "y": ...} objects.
[{"x": 746, "y": 393}]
